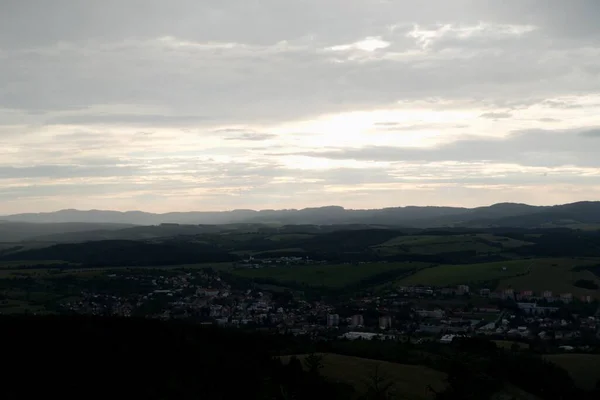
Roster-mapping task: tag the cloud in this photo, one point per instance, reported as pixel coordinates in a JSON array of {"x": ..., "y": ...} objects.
[
  {"x": 496, "y": 115},
  {"x": 530, "y": 148},
  {"x": 67, "y": 171},
  {"x": 387, "y": 124},
  {"x": 594, "y": 133},
  {"x": 547, "y": 119},
  {"x": 127, "y": 119},
  {"x": 173, "y": 104},
  {"x": 252, "y": 136},
  {"x": 368, "y": 44}
]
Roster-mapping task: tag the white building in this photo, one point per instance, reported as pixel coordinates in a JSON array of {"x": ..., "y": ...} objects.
[
  {"x": 385, "y": 322},
  {"x": 357, "y": 320},
  {"x": 333, "y": 320}
]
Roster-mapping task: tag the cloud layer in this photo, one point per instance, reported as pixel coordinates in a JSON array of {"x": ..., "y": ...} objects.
[{"x": 188, "y": 105}]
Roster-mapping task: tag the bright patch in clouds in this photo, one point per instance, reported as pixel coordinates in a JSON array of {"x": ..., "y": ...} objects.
[{"x": 368, "y": 44}]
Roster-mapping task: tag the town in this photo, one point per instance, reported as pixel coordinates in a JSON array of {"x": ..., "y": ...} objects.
[{"x": 413, "y": 313}]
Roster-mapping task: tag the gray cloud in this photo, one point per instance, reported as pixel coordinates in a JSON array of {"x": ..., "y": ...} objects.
[
  {"x": 125, "y": 119},
  {"x": 223, "y": 57},
  {"x": 67, "y": 171},
  {"x": 241, "y": 134},
  {"x": 531, "y": 148},
  {"x": 77, "y": 81},
  {"x": 549, "y": 120},
  {"x": 495, "y": 115},
  {"x": 594, "y": 133},
  {"x": 252, "y": 136}
]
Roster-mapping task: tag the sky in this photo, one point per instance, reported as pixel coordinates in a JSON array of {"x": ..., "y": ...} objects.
[{"x": 186, "y": 105}]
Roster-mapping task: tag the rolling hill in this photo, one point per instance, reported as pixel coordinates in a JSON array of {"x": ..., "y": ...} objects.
[{"x": 497, "y": 215}]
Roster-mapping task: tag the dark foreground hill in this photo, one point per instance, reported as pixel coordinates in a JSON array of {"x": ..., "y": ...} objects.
[
  {"x": 107, "y": 358},
  {"x": 98, "y": 358},
  {"x": 504, "y": 214}
]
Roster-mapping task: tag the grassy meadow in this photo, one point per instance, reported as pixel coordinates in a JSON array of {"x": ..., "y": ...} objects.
[
  {"x": 437, "y": 244},
  {"x": 410, "y": 381},
  {"x": 334, "y": 276},
  {"x": 554, "y": 274},
  {"x": 447, "y": 275},
  {"x": 584, "y": 368}
]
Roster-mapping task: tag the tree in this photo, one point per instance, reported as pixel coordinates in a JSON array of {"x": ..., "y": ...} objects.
[
  {"x": 314, "y": 363},
  {"x": 515, "y": 347},
  {"x": 379, "y": 386}
]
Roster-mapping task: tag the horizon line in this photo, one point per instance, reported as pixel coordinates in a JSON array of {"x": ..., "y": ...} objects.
[{"x": 292, "y": 209}]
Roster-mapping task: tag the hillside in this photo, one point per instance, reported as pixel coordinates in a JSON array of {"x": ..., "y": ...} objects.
[
  {"x": 503, "y": 215},
  {"x": 136, "y": 358},
  {"x": 409, "y": 381},
  {"x": 17, "y": 231}
]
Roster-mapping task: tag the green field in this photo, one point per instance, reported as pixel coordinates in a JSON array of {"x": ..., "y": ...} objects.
[
  {"x": 410, "y": 381},
  {"x": 290, "y": 236},
  {"x": 553, "y": 274},
  {"x": 9, "y": 271},
  {"x": 447, "y": 275},
  {"x": 583, "y": 368},
  {"x": 429, "y": 244},
  {"x": 556, "y": 275},
  {"x": 20, "y": 263},
  {"x": 326, "y": 275}
]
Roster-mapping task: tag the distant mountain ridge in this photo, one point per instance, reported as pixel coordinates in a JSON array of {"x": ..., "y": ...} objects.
[{"x": 502, "y": 214}]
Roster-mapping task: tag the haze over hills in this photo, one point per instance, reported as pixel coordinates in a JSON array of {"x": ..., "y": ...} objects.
[{"x": 106, "y": 223}]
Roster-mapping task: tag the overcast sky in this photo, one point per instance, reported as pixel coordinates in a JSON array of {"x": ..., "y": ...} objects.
[{"x": 222, "y": 104}]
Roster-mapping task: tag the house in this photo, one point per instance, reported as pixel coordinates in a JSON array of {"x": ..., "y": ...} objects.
[
  {"x": 359, "y": 335},
  {"x": 434, "y": 329},
  {"x": 207, "y": 292},
  {"x": 488, "y": 327},
  {"x": 566, "y": 297},
  {"x": 333, "y": 320},
  {"x": 462, "y": 289},
  {"x": 532, "y": 308},
  {"x": 385, "y": 322},
  {"x": 529, "y": 308},
  {"x": 586, "y": 299},
  {"x": 357, "y": 320},
  {"x": 446, "y": 339}
]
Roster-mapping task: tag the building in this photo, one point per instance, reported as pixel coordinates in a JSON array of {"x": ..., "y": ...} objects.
[
  {"x": 532, "y": 308},
  {"x": 436, "y": 314},
  {"x": 333, "y": 320},
  {"x": 527, "y": 293},
  {"x": 488, "y": 327},
  {"x": 586, "y": 299},
  {"x": 385, "y": 322},
  {"x": 547, "y": 294},
  {"x": 446, "y": 339},
  {"x": 462, "y": 289},
  {"x": 484, "y": 292},
  {"x": 509, "y": 293},
  {"x": 360, "y": 335},
  {"x": 529, "y": 308},
  {"x": 566, "y": 297},
  {"x": 357, "y": 320}
]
